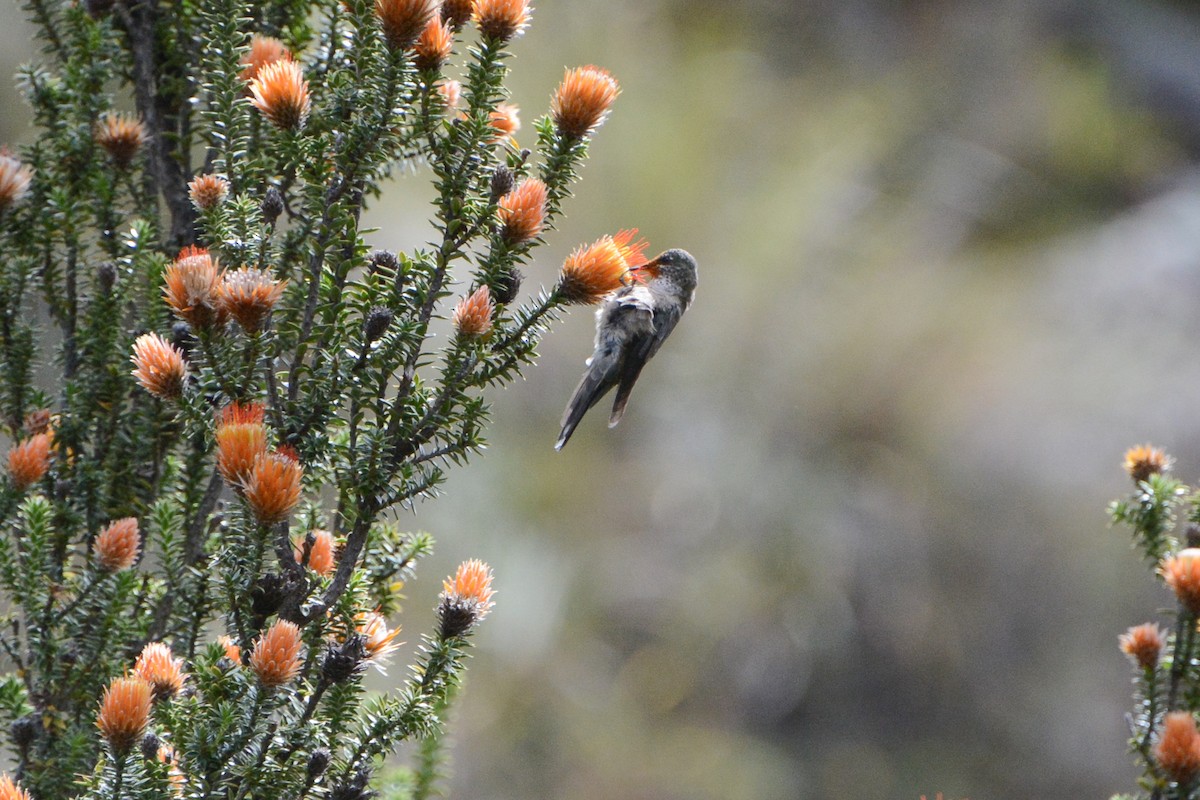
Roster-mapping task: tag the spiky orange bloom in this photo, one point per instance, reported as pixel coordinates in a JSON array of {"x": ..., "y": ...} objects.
[
  {"x": 505, "y": 119},
  {"x": 1143, "y": 644},
  {"x": 276, "y": 655},
  {"x": 190, "y": 287},
  {"x": 158, "y": 667},
  {"x": 29, "y": 460},
  {"x": 239, "y": 444},
  {"x": 1182, "y": 574},
  {"x": 403, "y": 20},
  {"x": 280, "y": 92},
  {"x": 124, "y": 712},
  {"x": 457, "y": 12},
  {"x": 263, "y": 50},
  {"x": 159, "y": 367},
  {"x": 116, "y": 547},
  {"x": 273, "y": 488},
  {"x": 451, "y": 92},
  {"x": 242, "y": 414},
  {"x": 473, "y": 314},
  {"x": 582, "y": 100},
  {"x": 472, "y": 581},
  {"x": 320, "y": 557},
  {"x": 14, "y": 180},
  {"x": 248, "y": 295},
  {"x": 121, "y": 136},
  {"x": 1145, "y": 460},
  {"x": 11, "y": 790},
  {"x": 591, "y": 272},
  {"x": 208, "y": 191},
  {"x": 1178, "y": 749},
  {"x": 501, "y": 19},
  {"x": 523, "y": 211},
  {"x": 434, "y": 45},
  {"x": 232, "y": 651},
  {"x": 380, "y": 642}
]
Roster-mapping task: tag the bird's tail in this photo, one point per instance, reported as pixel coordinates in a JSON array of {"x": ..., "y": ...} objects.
[{"x": 596, "y": 381}]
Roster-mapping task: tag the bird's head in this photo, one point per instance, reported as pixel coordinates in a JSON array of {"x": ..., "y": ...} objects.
[{"x": 676, "y": 266}]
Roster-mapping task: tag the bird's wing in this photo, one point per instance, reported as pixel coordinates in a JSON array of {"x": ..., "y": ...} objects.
[{"x": 642, "y": 349}]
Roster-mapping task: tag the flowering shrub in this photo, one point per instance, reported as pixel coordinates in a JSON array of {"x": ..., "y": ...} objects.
[{"x": 217, "y": 395}]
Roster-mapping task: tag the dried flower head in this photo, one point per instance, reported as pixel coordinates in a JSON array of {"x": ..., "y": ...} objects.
[
  {"x": 523, "y": 211},
  {"x": 263, "y": 50},
  {"x": 1182, "y": 574},
  {"x": 124, "y": 712},
  {"x": 116, "y": 547},
  {"x": 1145, "y": 460},
  {"x": 10, "y": 790},
  {"x": 1178, "y": 748},
  {"x": 457, "y": 13},
  {"x": 451, "y": 92},
  {"x": 190, "y": 287},
  {"x": 159, "y": 366},
  {"x": 380, "y": 642},
  {"x": 273, "y": 488},
  {"x": 37, "y": 421},
  {"x": 501, "y": 20},
  {"x": 121, "y": 136},
  {"x": 320, "y": 555},
  {"x": 248, "y": 295},
  {"x": 158, "y": 667},
  {"x": 505, "y": 119},
  {"x": 29, "y": 460},
  {"x": 232, "y": 651},
  {"x": 591, "y": 272},
  {"x": 208, "y": 191},
  {"x": 434, "y": 45},
  {"x": 1143, "y": 644},
  {"x": 14, "y": 180},
  {"x": 276, "y": 655},
  {"x": 465, "y": 600},
  {"x": 280, "y": 92},
  {"x": 403, "y": 20},
  {"x": 473, "y": 314},
  {"x": 582, "y": 100}
]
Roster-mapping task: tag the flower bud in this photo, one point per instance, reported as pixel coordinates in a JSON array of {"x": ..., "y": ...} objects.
[
  {"x": 150, "y": 745},
  {"x": 1145, "y": 460},
  {"x": 318, "y": 762},
  {"x": 106, "y": 277},
  {"x": 508, "y": 285},
  {"x": 503, "y": 181},
  {"x": 377, "y": 323},
  {"x": 344, "y": 660},
  {"x": 272, "y": 205}
]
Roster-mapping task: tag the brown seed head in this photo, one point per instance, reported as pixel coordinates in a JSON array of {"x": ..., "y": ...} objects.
[
  {"x": 276, "y": 655},
  {"x": 1182, "y": 574},
  {"x": 116, "y": 547},
  {"x": 434, "y": 45},
  {"x": 457, "y": 12},
  {"x": 1178, "y": 748},
  {"x": 208, "y": 191},
  {"x": 403, "y": 20},
  {"x": 591, "y": 272},
  {"x": 451, "y": 92},
  {"x": 37, "y": 421},
  {"x": 14, "y": 180},
  {"x": 473, "y": 314},
  {"x": 29, "y": 460},
  {"x": 582, "y": 100},
  {"x": 190, "y": 287},
  {"x": 523, "y": 211},
  {"x": 320, "y": 557},
  {"x": 159, "y": 367},
  {"x": 248, "y": 295},
  {"x": 501, "y": 20},
  {"x": 380, "y": 642},
  {"x": 10, "y": 790},
  {"x": 124, "y": 712},
  {"x": 1145, "y": 460},
  {"x": 505, "y": 119},
  {"x": 1143, "y": 644},
  {"x": 158, "y": 667},
  {"x": 121, "y": 136},
  {"x": 263, "y": 50},
  {"x": 280, "y": 92},
  {"x": 273, "y": 488}
]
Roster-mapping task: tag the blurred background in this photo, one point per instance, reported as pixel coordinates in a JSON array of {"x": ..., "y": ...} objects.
[{"x": 850, "y": 539}]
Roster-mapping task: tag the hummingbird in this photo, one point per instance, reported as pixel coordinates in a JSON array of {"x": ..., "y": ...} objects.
[{"x": 631, "y": 325}]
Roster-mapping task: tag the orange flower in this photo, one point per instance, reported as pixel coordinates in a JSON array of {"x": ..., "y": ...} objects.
[
  {"x": 248, "y": 295},
  {"x": 466, "y": 600},
  {"x": 124, "y": 712},
  {"x": 232, "y": 651},
  {"x": 190, "y": 287},
  {"x": 1145, "y": 460},
  {"x": 14, "y": 180},
  {"x": 280, "y": 92},
  {"x": 457, "y": 12},
  {"x": 159, "y": 367},
  {"x": 1178, "y": 749},
  {"x": 320, "y": 557},
  {"x": 1182, "y": 574},
  {"x": 434, "y": 46},
  {"x": 10, "y": 790},
  {"x": 1143, "y": 644},
  {"x": 241, "y": 439},
  {"x": 208, "y": 191},
  {"x": 116, "y": 547},
  {"x": 501, "y": 19},
  {"x": 121, "y": 136},
  {"x": 403, "y": 20},
  {"x": 29, "y": 460},
  {"x": 505, "y": 120},
  {"x": 523, "y": 211},
  {"x": 582, "y": 100},
  {"x": 157, "y": 667},
  {"x": 263, "y": 50},
  {"x": 380, "y": 642},
  {"x": 273, "y": 488},
  {"x": 276, "y": 655},
  {"x": 473, "y": 315},
  {"x": 592, "y": 272},
  {"x": 451, "y": 92}
]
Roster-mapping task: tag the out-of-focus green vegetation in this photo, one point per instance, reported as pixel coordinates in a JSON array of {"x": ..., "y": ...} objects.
[{"x": 850, "y": 540}]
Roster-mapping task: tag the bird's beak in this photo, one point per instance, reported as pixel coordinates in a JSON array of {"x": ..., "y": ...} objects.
[{"x": 642, "y": 271}]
